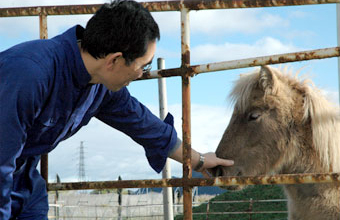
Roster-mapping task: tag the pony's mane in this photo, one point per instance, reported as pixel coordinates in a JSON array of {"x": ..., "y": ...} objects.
[{"x": 324, "y": 116}]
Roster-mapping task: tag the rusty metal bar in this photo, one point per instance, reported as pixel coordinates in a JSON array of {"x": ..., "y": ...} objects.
[
  {"x": 49, "y": 10},
  {"x": 186, "y": 115},
  {"x": 219, "y": 181},
  {"x": 43, "y": 35},
  {"x": 157, "y": 6},
  {"x": 43, "y": 26},
  {"x": 274, "y": 59},
  {"x": 249, "y": 62},
  {"x": 227, "y": 4}
]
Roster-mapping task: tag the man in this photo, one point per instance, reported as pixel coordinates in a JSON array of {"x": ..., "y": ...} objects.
[{"x": 49, "y": 89}]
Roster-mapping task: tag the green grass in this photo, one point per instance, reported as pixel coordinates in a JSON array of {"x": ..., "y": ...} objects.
[{"x": 259, "y": 192}]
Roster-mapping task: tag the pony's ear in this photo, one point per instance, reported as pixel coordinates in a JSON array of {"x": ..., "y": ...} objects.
[{"x": 267, "y": 78}]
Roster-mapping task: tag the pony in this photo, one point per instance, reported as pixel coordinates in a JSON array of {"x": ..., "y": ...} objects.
[{"x": 284, "y": 125}]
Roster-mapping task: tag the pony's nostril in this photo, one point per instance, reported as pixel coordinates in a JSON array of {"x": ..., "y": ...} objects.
[
  {"x": 215, "y": 171},
  {"x": 219, "y": 171}
]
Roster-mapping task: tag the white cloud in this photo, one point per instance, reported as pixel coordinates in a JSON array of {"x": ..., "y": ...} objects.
[
  {"x": 30, "y": 25},
  {"x": 59, "y": 24},
  {"x": 223, "y": 21},
  {"x": 299, "y": 34},
  {"x": 234, "y": 21},
  {"x": 168, "y": 22},
  {"x": 332, "y": 96},
  {"x": 23, "y": 26},
  {"x": 230, "y": 51},
  {"x": 166, "y": 53}
]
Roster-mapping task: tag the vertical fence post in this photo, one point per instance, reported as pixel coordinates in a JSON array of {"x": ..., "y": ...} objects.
[
  {"x": 56, "y": 208},
  {"x": 43, "y": 35},
  {"x": 119, "y": 191},
  {"x": 166, "y": 173},
  {"x": 186, "y": 115},
  {"x": 250, "y": 207},
  {"x": 208, "y": 206}
]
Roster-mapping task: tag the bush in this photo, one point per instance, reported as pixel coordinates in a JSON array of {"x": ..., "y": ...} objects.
[{"x": 258, "y": 192}]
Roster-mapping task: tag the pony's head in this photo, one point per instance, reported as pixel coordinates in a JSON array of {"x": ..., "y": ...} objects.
[{"x": 279, "y": 125}]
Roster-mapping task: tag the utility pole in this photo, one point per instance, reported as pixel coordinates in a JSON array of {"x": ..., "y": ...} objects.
[
  {"x": 166, "y": 173},
  {"x": 81, "y": 167}
]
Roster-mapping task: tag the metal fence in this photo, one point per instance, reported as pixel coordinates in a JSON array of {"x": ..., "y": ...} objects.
[
  {"x": 149, "y": 211},
  {"x": 75, "y": 205},
  {"x": 186, "y": 71}
]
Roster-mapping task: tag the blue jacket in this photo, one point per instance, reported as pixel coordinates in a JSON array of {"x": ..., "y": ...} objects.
[{"x": 45, "y": 97}]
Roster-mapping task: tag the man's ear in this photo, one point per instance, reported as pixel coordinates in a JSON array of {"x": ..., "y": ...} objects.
[{"x": 112, "y": 59}]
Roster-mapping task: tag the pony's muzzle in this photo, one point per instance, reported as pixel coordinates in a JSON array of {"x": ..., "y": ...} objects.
[
  {"x": 216, "y": 171},
  {"x": 222, "y": 171},
  {"x": 225, "y": 171}
]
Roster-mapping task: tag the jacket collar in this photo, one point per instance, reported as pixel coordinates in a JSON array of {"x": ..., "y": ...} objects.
[{"x": 74, "y": 61}]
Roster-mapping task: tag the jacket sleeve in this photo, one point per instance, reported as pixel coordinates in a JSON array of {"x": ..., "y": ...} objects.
[
  {"x": 127, "y": 114},
  {"x": 20, "y": 92}
]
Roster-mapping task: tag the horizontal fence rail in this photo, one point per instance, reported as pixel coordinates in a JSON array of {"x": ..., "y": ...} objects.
[
  {"x": 178, "y": 204},
  {"x": 93, "y": 217},
  {"x": 243, "y": 63},
  {"x": 219, "y": 181},
  {"x": 238, "y": 213},
  {"x": 245, "y": 201},
  {"x": 158, "y": 6}
]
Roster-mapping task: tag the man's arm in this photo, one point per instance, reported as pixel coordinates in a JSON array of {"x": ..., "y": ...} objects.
[
  {"x": 210, "y": 159},
  {"x": 19, "y": 99},
  {"x": 126, "y": 114}
]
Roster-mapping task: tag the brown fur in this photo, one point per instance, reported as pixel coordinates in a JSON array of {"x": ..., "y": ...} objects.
[{"x": 281, "y": 125}]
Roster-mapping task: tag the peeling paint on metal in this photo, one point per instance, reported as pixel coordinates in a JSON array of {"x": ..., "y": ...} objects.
[
  {"x": 191, "y": 182},
  {"x": 157, "y": 6}
]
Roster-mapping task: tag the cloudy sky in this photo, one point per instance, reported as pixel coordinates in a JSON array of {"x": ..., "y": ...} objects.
[{"x": 216, "y": 35}]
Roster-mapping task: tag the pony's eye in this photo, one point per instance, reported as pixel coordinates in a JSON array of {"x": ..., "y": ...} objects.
[{"x": 253, "y": 116}]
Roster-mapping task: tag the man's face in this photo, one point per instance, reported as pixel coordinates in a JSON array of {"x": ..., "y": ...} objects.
[{"x": 121, "y": 75}]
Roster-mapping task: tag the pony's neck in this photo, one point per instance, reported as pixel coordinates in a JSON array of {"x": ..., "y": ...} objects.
[
  {"x": 305, "y": 201},
  {"x": 301, "y": 156}
]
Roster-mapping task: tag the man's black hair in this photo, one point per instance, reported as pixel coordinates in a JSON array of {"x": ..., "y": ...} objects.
[{"x": 121, "y": 26}]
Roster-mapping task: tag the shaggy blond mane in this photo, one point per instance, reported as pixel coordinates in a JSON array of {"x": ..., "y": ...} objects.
[{"x": 323, "y": 115}]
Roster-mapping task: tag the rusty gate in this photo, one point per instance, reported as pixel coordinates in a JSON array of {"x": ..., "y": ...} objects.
[{"x": 186, "y": 71}]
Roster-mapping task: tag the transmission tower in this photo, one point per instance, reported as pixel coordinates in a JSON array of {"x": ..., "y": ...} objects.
[{"x": 81, "y": 168}]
